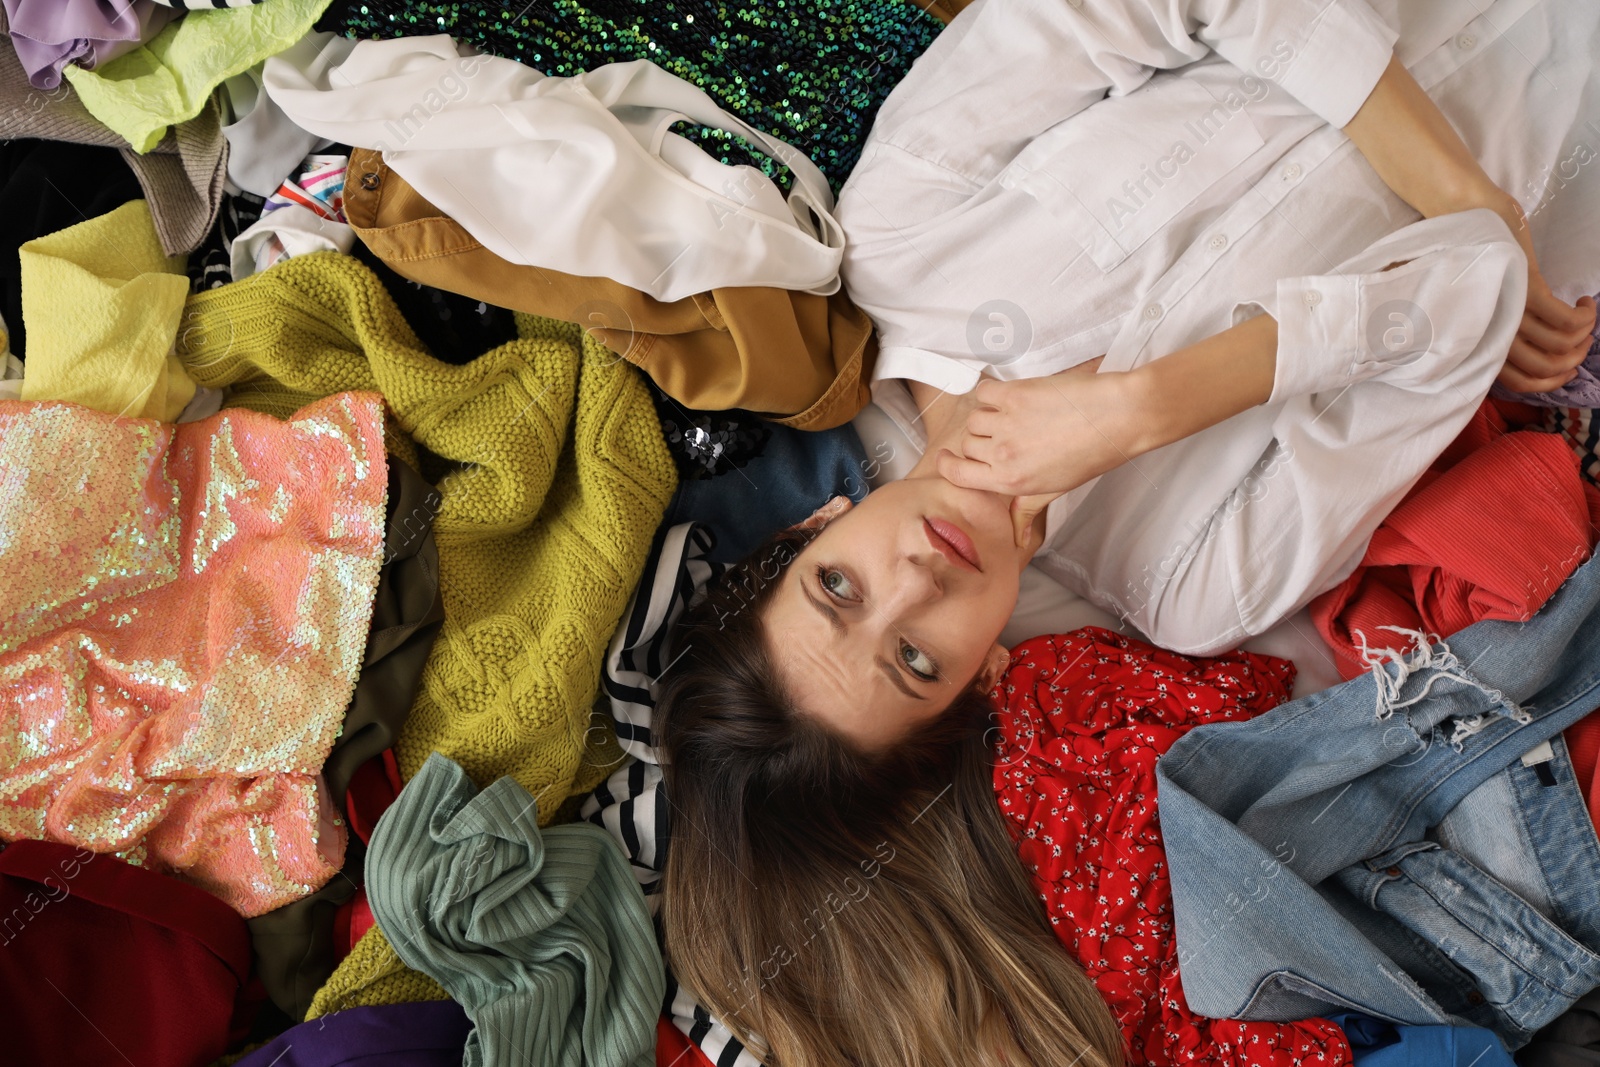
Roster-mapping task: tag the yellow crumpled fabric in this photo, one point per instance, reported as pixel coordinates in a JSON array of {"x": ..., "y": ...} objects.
[
  {"x": 555, "y": 477},
  {"x": 103, "y": 305},
  {"x": 170, "y": 78}
]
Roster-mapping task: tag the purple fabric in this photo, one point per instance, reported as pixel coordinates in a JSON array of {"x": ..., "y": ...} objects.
[
  {"x": 49, "y": 34},
  {"x": 1582, "y": 392},
  {"x": 429, "y": 1034}
]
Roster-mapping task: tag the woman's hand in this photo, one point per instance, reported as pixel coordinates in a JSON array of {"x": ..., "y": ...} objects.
[
  {"x": 1554, "y": 336},
  {"x": 1045, "y": 436},
  {"x": 1040, "y": 437}
]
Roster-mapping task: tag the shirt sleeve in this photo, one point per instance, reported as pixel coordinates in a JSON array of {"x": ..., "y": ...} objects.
[
  {"x": 1405, "y": 310},
  {"x": 1050, "y": 59}
]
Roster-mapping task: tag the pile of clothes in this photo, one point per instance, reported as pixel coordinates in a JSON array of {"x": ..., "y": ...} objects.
[{"x": 353, "y": 442}]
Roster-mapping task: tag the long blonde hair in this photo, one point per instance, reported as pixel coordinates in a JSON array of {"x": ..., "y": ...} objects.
[{"x": 833, "y": 907}]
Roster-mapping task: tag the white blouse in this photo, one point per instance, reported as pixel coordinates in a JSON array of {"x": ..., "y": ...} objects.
[{"x": 1061, "y": 179}]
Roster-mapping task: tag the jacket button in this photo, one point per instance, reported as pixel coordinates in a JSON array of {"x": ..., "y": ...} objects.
[
  {"x": 1474, "y": 998},
  {"x": 369, "y": 180},
  {"x": 1393, "y": 872}
]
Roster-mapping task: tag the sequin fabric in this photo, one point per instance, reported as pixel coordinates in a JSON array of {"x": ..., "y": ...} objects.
[
  {"x": 183, "y": 615},
  {"x": 811, "y": 72},
  {"x": 1083, "y": 719},
  {"x": 705, "y": 444}
]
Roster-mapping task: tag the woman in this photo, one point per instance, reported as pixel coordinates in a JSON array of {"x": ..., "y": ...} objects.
[{"x": 1012, "y": 230}]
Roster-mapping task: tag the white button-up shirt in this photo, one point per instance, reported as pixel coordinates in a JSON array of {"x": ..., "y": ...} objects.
[{"x": 1053, "y": 182}]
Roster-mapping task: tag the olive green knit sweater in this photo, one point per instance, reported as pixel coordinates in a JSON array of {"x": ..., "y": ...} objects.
[
  {"x": 542, "y": 530},
  {"x": 558, "y": 479}
]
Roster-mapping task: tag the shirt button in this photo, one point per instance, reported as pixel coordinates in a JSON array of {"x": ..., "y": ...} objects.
[
  {"x": 1466, "y": 41},
  {"x": 1153, "y": 312},
  {"x": 369, "y": 180},
  {"x": 1313, "y": 298},
  {"x": 1218, "y": 242},
  {"x": 1291, "y": 172}
]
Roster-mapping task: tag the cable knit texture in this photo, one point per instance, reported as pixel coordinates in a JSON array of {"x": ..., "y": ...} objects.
[
  {"x": 558, "y": 476},
  {"x": 560, "y": 479}
]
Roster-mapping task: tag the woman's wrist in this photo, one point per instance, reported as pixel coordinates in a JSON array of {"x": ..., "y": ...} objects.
[
  {"x": 1150, "y": 418},
  {"x": 1197, "y": 387},
  {"x": 1468, "y": 191}
]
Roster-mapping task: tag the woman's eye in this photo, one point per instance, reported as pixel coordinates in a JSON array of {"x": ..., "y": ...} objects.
[
  {"x": 836, "y": 584},
  {"x": 920, "y": 664}
]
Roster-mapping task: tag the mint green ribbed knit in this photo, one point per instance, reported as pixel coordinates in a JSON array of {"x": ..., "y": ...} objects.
[{"x": 542, "y": 936}]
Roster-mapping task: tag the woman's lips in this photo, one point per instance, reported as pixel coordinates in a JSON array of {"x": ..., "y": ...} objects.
[{"x": 953, "y": 541}]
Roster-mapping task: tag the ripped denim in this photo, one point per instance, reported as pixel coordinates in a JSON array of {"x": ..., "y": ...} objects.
[{"x": 1411, "y": 844}]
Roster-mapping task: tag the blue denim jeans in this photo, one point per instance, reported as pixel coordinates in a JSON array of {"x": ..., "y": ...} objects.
[{"x": 1411, "y": 845}]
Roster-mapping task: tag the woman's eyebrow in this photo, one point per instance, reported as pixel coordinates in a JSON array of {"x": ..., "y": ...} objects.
[
  {"x": 839, "y": 628},
  {"x": 826, "y": 610},
  {"x": 896, "y": 677}
]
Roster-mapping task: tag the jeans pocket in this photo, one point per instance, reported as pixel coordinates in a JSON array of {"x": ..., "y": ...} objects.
[{"x": 1518, "y": 970}]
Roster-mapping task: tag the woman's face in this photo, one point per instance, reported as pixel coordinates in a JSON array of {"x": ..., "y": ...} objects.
[{"x": 895, "y": 607}]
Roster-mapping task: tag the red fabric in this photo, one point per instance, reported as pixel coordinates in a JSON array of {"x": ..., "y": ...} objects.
[
  {"x": 373, "y": 787},
  {"x": 1084, "y": 718},
  {"x": 1494, "y": 526},
  {"x": 353, "y": 919},
  {"x": 675, "y": 1050},
  {"x": 1583, "y": 746},
  {"x": 104, "y": 962}
]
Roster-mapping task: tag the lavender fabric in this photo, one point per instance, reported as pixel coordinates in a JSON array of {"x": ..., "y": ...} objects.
[
  {"x": 49, "y": 34},
  {"x": 1582, "y": 392},
  {"x": 428, "y": 1034}
]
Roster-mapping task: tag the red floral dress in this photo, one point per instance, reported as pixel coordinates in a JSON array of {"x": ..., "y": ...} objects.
[{"x": 1084, "y": 717}]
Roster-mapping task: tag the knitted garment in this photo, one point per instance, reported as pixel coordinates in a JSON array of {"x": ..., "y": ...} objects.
[
  {"x": 543, "y": 937},
  {"x": 1582, "y": 432},
  {"x": 371, "y": 975},
  {"x": 558, "y": 477},
  {"x": 811, "y": 72},
  {"x": 182, "y": 177}
]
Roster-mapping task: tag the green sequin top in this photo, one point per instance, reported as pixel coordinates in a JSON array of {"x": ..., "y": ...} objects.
[{"x": 812, "y": 72}]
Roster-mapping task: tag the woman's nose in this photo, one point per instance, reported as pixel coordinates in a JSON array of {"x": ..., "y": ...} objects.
[{"x": 918, "y": 581}]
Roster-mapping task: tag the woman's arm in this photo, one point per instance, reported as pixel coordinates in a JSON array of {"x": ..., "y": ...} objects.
[
  {"x": 1419, "y": 155},
  {"x": 1044, "y": 436},
  {"x": 1457, "y": 282}
]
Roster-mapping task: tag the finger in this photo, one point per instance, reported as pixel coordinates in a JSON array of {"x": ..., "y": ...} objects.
[
  {"x": 976, "y": 448},
  {"x": 967, "y": 473},
  {"x": 1540, "y": 334},
  {"x": 1535, "y": 362},
  {"x": 1519, "y": 381},
  {"x": 1021, "y": 524},
  {"x": 991, "y": 392},
  {"x": 1558, "y": 314},
  {"x": 1541, "y": 363},
  {"x": 1030, "y": 505},
  {"x": 985, "y": 422},
  {"x": 1025, "y": 511},
  {"x": 1549, "y": 364}
]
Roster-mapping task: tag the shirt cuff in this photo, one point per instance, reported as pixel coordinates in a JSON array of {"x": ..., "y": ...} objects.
[
  {"x": 1338, "y": 65},
  {"x": 1316, "y": 346},
  {"x": 942, "y": 372}
]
